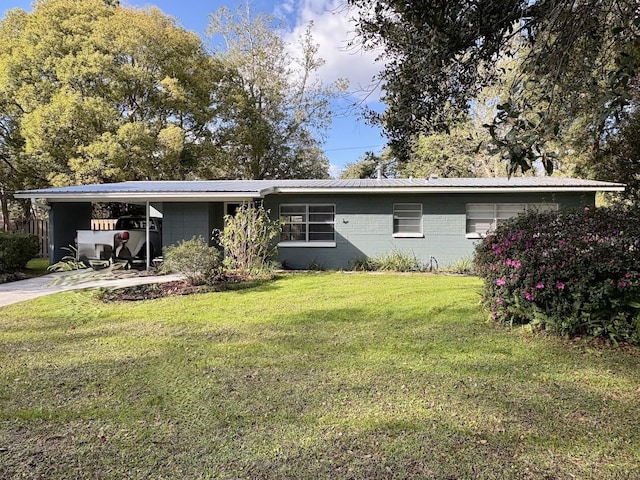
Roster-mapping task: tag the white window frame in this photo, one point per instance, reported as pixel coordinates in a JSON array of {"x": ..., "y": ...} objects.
[
  {"x": 398, "y": 208},
  {"x": 498, "y": 218},
  {"x": 307, "y": 223}
]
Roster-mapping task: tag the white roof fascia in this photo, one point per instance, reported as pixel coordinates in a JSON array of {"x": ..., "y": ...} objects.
[
  {"x": 141, "y": 196},
  {"x": 268, "y": 191},
  {"x": 248, "y": 196},
  {"x": 547, "y": 188}
]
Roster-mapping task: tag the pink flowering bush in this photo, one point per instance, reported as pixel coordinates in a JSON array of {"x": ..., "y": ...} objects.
[{"x": 572, "y": 272}]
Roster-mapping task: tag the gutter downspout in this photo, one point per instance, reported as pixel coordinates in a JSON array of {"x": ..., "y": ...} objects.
[{"x": 147, "y": 244}]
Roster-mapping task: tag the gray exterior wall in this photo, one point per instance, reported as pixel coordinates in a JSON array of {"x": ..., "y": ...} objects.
[
  {"x": 364, "y": 225},
  {"x": 64, "y": 220},
  {"x": 184, "y": 220}
]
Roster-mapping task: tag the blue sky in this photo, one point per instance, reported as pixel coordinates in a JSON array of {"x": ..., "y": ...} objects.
[{"x": 349, "y": 137}]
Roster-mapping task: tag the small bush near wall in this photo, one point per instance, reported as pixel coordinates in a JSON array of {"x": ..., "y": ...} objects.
[
  {"x": 247, "y": 240},
  {"x": 462, "y": 266},
  {"x": 16, "y": 249},
  {"x": 394, "y": 261},
  {"x": 574, "y": 273},
  {"x": 194, "y": 258}
]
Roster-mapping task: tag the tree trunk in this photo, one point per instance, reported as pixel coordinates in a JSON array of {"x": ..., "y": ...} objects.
[{"x": 6, "y": 221}]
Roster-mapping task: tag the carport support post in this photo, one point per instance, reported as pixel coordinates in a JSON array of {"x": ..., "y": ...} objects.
[{"x": 147, "y": 244}]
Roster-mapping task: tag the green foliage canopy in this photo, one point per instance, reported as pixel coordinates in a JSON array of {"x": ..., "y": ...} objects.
[
  {"x": 573, "y": 57},
  {"x": 458, "y": 153},
  {"x": 93, "y": 92},
  {"x": 369, "y": 165}
]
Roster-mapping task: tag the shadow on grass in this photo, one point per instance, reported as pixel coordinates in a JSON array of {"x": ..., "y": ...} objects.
[
  {"x": 154, "y": 291},
  {"x": 323, "y": 393},
  {"x": 245, "y": 285}
]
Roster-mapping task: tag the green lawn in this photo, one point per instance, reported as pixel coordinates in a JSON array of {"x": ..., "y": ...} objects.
[
  {"x": 328, "y": 375},
  {"x": 36, "y": 267}
]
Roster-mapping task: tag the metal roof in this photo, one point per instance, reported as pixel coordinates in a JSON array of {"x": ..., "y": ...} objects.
[{"x": 199, "y": 190}]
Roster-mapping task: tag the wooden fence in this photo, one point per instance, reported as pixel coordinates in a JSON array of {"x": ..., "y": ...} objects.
[
  {"x": 40, "y": 228},
  {"x": 103, "y": 224}
]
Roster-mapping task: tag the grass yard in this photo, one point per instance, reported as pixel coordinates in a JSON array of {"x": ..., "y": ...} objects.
[
  {"x": 327, "y": 375},
  {"x": 36, "y": 266}
]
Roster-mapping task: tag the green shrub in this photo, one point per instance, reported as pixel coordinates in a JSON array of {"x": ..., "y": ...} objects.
[
  {"x": 394, "y": 261},
  {"x": 247, "y": 240},
  {"x": 68, "y": 262},
  {"x": 194, "y": 258},
  {"x": 574, "y": 273},
  {"x": 16, "y": 249},
  {"x": 362, "y": 264},
  {"x": 462, "y": 266}
]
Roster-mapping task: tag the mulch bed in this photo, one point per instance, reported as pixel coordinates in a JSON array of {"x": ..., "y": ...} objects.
[
  {"x": 149, "y": 291},
  {"x": 13, "y": 277},
  {"x": 179, "y": 287}
]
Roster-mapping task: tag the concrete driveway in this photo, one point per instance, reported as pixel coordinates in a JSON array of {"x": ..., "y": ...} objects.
[{"x": 14, "y": 292}]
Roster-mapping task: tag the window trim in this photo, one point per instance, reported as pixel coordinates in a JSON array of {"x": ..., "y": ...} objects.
[
  {"x": 527, "y": 206},
  {"x": 308, "y": 243},
  {"x": 419, "y": 234}
]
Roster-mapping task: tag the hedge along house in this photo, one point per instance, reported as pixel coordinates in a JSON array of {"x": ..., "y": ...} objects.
[{"x": 331, "y": 223}]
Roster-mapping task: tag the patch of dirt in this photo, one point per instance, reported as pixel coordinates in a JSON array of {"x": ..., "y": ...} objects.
[
  {"x": 13, "y": 277},
  {"x": 179, "y": 287},
  {"x": 599, "y": 344},
  {"x": 149, "y": 291}
]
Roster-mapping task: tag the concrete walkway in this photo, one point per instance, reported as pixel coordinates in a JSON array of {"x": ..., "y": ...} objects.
[{"x": 14, "y": 292}]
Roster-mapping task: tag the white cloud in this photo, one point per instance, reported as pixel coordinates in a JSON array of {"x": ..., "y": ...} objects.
[
  {"x": 335, "y": 170},
  {"x": 333, "y": 30}
]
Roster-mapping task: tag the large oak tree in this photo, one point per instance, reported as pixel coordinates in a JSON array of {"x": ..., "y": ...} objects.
[
  {"x": 94, "y": 92},
  {"x": 575, "y": 59},
  {"x": 101, "y": 93}
]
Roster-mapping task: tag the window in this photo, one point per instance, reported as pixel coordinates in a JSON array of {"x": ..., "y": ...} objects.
[
  {"x": 407, "y": 220},
  {"x": 484, "y": 217},
  {"x": 308, "y": 225},
  {"x": 231, "y": 208}
]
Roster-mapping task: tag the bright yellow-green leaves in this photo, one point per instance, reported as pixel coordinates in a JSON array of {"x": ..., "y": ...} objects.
[
  {"x": 102, "y": 93},
  {"x": 91, "y": 91}
]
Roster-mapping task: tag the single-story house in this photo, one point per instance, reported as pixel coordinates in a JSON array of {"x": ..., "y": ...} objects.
[{"x": 330, "y": 223}]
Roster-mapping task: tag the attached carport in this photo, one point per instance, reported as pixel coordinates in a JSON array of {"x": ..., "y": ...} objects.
[{"x": 189, "y": 208}]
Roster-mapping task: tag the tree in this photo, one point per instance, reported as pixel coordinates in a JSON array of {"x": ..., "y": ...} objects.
[
  {"x": 459, "y": 153},
  {"x": 369, "y": 165},
  {"x": 573, "y": 56},
  {"x": 247, "y": 239},
  {"x": 273, "y": 112},
  {"x": 618, "y": 159},
  {"x": 85, "y": 98},
  {"x": 463, "y": 150}
]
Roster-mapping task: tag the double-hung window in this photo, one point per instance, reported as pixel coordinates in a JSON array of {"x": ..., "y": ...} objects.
[
  {"x": 407, "y": 220},
  {"x": 309, "y": 225},
  {"x": 485, "y": 217}
]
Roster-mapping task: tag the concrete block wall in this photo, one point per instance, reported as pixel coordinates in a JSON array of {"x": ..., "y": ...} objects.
[
  {"x": 184, "y": 220},
  {"x": 65, "y": 218},
  {"x": 364, "y": 226}
]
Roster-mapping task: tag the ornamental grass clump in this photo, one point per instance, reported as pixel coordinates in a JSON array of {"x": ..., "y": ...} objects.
[
  {"x": 573, "y": 272},
  {"x": 394, "y": 261}
]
